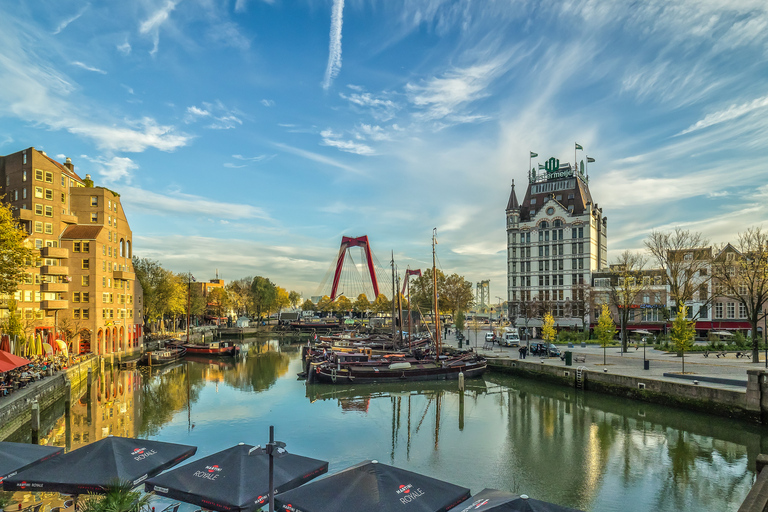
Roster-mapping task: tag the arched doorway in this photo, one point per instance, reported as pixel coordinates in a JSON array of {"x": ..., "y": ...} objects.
[
  {"x": 100, "y": 342},
  {"x": 107, "y": 340},
  {"x": 114, "y": 339},
  {"x": 122, "y": 339}
]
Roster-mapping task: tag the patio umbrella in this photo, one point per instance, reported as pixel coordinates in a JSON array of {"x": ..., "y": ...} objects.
[
  {"x": 235, "y": 479},
  {"x": 15, "y": 457},
  {"x": 95, "y": 466},
  {"x": 492, "y": 500},
  {"x": 48, "y": 349},
  {"x": 5, "y": 342},
  {"x": 62, "y": 347},
  {"x": 373, "y": 487},
  {"x": 9, "y": 361}
]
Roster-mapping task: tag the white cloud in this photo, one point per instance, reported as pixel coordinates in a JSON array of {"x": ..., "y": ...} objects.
[
  {"x": 65, "y": 23},
  {"x": 124, "y": 48},
  {"x": 257, "y": 158},
  {"x": 268, "y": 103},
  {"x": 221, "y": 117},
  {"x": 177, "y": 202},
  {"x": 153, "y": 23},
  {"x": 334, "y": 140},
  {"x": 88, "y": 68},
  {"x": 728, "y": 114},
  {"x": 381, "y": 109},
  {"x": 309, "y": 155},
  {"x": 137, "y": 137},
  {"x": 334, "y": 47},
  {"x": 114, "y": 169}
]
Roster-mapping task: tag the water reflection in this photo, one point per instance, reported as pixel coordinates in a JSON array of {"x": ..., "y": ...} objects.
[{"x": 578, "y": 449}]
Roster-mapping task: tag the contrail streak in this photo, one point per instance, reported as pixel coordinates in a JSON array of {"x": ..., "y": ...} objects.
[{"x": 334, "y": 48}]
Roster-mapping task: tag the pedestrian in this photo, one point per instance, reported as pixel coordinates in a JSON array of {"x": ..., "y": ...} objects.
[
  {"x": 525, "y": 351},
  {"x": 520, "y": 350}
]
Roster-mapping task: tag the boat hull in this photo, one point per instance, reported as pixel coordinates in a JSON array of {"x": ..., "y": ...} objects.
[
  {"x": 162, "y": 357},
  {"x": 417, "y": 372},
  {"x": 205, "y": 350}
]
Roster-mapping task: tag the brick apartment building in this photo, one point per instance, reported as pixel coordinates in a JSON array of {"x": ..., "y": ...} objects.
[{"x": 82, "y": 276}]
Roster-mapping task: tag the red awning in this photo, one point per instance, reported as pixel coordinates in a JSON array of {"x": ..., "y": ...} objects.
[
  {"x": 723, "y": 325},
  {"x": 655, "y": 327},
  {"x": 9, "y": 361}
]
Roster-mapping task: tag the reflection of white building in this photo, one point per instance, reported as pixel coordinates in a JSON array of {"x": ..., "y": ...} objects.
[
  {"x": 242, "y": 322},
  {"x": 556, "y": 237}
]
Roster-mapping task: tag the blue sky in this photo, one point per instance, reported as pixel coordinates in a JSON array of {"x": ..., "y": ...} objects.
[{"x": 249, "y": 136}]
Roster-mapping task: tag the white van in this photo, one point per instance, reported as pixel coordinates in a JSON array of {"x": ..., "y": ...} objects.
[{"x": 511, "y": 338}]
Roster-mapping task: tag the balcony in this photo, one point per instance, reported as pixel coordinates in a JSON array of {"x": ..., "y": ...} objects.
[
  {"x": 54, "y": 270},
  {"x": 53, "y": 304},
  {"x": 124, "y": 275},
  {"x": 55, "y": 287},
  {"x": 54, "y": 252},
  {"x": 69, "y": 219},
  {"x": 24, "y": 214}
]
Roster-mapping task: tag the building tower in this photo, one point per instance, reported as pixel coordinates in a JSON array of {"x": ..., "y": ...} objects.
[{"x": 555, "y": 239}]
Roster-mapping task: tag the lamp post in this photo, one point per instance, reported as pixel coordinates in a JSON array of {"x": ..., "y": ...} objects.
[{"x": 274, "y": 448}]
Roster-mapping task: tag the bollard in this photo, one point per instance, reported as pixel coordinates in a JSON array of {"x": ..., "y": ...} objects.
[
  {"x": 88, "y": 382},
  {"x": 35, "y": 422},
  {"x": 461, "y": 381}
]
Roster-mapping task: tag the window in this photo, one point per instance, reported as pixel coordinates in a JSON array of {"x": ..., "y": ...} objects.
[
  {"x": 39, "y": 228},
  {"x": 48, "y": 228},
  {"x": 581, "y": 232},
  {"x": 85, "y": 314},
  {"x": 730, "y": 309},
  {"x": 742, "y": 311},
  {"x": 94, "y": 200},
  {"x": 63, "y": 197},
  {"x": 103, "y": 250},
  {"x": 533, "y": 201},
  {"x": 85, "y": 297},
  {"x": 109, "y": 220},
  {"x": 38, "y": 209},
  {"x": 24, "y": 173},
  {"x": 38, "y": 174},
  {"x": 24, "y": 193},
  {"x": 49, "y": 211},
  {"x": 49, "y": 177},
  {"x": 49, "y": 194},
  {"x": 86, "y": 246},
  {"x": 76, "y": 297},
  {"x": 94, "y": 217},
  {"x": 76, "y": 314},
  {"x": 76, "y": 247},
  {"x": 38, "y": 243},
  {"x": 688, "y": 256},
  {"x": 85, "y": 280},
  {"x": 86, "y": 264}
]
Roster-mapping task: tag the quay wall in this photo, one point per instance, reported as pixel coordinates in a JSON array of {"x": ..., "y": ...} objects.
[
  {"x": 16, "y": 409},
  {"x": 752, "y": 405}
]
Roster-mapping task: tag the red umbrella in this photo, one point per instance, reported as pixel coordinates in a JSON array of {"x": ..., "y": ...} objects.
[
  {"x": 5, "y": 342},
  {"x": 9, "y": 361}
]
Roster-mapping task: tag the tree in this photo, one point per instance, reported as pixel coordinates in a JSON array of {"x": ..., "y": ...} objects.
[
  {"x": 605, "y": 328},
  {"x": 240, "y": 295},
  {"x": 324, "y": 304},
  {"x": 740, "y": 273},
  {"x": 218, "y": 302},
  {"x": 626, "y": 286},
  {"x": 13, "y": 325},
  {"x": 308, "y": 305},
  {"x": 15, "y": 252},
  {"x": 294, "y": 298},
  {"x": 459, "y": 321},
  {"x": 362, "y": 304},
  {"x": 158, "y": 286},
  {"x": 682, "y": 332},
  {"x": 422, "y": 294},
  {"x": 581, "y": 300},
  {"x": 343, "y": 304},
  {"x": 382, "y": 305},
  {"x": 548, "y": 332},
  {"x": 263, "y": 295},
  {"x": 457, "y": 293},
  {"x": 283, "y": 299},
  {"x": 685, "y": 257},
  {"x": 70, "y": 328},
  {"x": 119, "y": 497}
]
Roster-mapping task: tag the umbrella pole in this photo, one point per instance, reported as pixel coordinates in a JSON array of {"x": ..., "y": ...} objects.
[{"x": 270, "y": 451}]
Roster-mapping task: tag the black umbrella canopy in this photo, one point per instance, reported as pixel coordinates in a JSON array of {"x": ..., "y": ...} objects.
[
  {"x": 235, "y": 479},
  {"x": 15, "y": 457},
  {"x": 492, "y": 500},
  {"x": 373, "y": 487},
  {"x": 98, "y": 465}
]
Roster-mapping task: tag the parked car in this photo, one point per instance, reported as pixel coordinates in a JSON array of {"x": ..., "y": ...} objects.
[
  {"x": 489, "y": 336},
  {"x": 542, "y": 348}
]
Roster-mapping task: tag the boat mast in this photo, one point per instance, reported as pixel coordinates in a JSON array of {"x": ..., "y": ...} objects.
[
  {"x": 189, "y": 294},
  {"x": 399, "y": 308},
  {"x": 392, "y": 263},
  {"x": 434, "y": 290},
  {"x": 410, "y": 335}
]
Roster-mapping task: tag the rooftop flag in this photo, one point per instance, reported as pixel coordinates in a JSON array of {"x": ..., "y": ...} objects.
[
  {"x": 579, "y": 146},
  {"x": 534, "y": 155},
  {"x": 590, "y": 159}
]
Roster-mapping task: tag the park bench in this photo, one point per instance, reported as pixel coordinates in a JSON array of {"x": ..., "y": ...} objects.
[
  {"x": 723, "y": 353},
  {"x": 579, "y": 358}
]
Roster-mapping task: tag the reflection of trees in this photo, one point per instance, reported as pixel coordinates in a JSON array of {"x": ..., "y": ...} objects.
[
  {"x": 258, "y": 372},
  {"x": 163, "y": 395},
  {"x": 682, "y": 454}
]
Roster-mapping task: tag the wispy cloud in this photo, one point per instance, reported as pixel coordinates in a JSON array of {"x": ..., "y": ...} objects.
[
  {"x": 114, "y": 169},
  {"x": 335, "y": 140},
  {"x": 309, "y": 155},
  {"x": 268, "y": 103},
  {"x": 220, "y": 116},
  {"x": 124, "y": 48},
  {"x": 334, "y": 47},
  {"x": 137, "y": 137},
  {"x": 152, "y": 24},
  {"x": 257, "y": 158},
  {"x": 65, "y": 23},
  {"x": 86, "y": 67},
  {"x": 380, "y": 108},
  {"x": 177, "y": 202},
  {"x": 728, "y": 114}
]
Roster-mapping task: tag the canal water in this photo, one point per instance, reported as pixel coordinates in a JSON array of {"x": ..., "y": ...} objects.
[{"x": 580, "y": 449}]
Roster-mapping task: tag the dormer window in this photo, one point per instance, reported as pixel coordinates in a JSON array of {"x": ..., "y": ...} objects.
[{"x": 533, "y": 201}]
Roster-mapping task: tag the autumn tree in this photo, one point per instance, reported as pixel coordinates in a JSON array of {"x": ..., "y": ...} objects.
[
  {"x": 158, "y": 286},
  {"x": 15, "y": 252},
  {"x": 548, "y": 332},
  {"x": 324, "y": 304},
  {"x": 240, "y": 295},
  {"x": 308, "y": 305},
  {"x": 605, "y": 328},
  {"x": 283, "y": 299},
  {"x": 627, "y": 284},
  {"x": 682, "y": 332},
  {"x": 362, "y": 304},
  {"x": 581, "y": 300},
  {"x": 457, "y": 293},
  {"x": 382, "y": 305},
  {"x": 342, "y": 304},
  {"x": 70, "y": 328},
  {"x": 294, "y": 298},
  {"x": 422, "y": 291},
  {"x": 740, "y": 273},
  {"x": 263, "y": 295},
  {"x": 219, "y": 302}
]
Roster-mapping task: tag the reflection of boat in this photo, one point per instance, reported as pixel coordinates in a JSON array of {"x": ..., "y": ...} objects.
[
  {"x": 222, "y": 363},
  {"x": 388, "y": 389},
  {"x": 402, "y": 369},
  {"x": 163, "y": 356},
  {"x": 214, "y": 348}
]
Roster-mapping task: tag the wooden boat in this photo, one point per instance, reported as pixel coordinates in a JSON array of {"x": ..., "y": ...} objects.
[
  {"x": 215, "y": 348},
  {"x": 164, "y": 355},
  {"x": 351, "y": 368}
]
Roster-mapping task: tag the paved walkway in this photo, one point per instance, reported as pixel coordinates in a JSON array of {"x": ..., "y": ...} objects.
[{"x": 631, "y": 363}]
